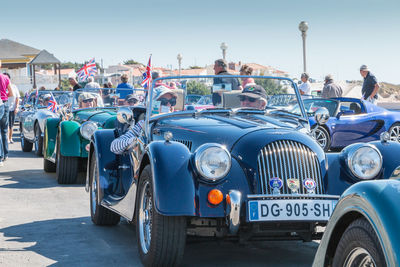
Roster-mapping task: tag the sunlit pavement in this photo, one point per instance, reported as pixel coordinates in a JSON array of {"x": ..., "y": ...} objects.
[{"x": 43, "y": 223}]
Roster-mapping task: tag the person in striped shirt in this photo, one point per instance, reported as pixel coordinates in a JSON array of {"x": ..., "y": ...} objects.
[{"x": 167, "y": 97}]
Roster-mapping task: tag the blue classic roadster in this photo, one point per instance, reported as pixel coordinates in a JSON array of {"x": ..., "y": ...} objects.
[
  {"x": 364, "y": 228},
  {"x": 239, "y": 170},
  {"x": 351, "y": 120}
]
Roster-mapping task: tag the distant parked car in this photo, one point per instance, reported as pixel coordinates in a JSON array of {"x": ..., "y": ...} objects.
[
  {"x": 351, "y": 120},
  {"x": 33, "y": 116}
]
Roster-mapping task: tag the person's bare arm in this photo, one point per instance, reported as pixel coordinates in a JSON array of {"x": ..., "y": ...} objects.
[{"x": 10, "y": 92}]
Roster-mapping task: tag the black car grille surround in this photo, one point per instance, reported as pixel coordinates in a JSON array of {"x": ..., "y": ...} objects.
[
  {"x": 288, "y": 159},
  {"x": 185, "y": 142}
]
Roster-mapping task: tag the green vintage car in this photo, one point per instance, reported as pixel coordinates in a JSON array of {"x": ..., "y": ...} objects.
[{"x": 66, "y": 138}]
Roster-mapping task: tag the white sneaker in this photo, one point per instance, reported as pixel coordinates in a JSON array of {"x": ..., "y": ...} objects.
[{"x": 1, "y": 164}]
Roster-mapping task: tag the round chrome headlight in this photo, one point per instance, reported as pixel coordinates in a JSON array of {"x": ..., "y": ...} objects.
[
  {"x": 213, "y": 161},
  {"x": 365, "y": 161},
  {"x": 87, "y": 129}
]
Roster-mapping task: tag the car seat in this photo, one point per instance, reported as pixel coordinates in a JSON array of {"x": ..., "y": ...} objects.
[
  {"x": 231, "y": 99},
  {"x": 355, "y": 107}
]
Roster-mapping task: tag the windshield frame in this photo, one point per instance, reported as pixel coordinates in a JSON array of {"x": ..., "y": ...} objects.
[{"x": 149, "y": 100}]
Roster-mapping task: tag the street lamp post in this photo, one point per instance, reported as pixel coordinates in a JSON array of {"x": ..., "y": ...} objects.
[
  {"x": 179, "y": 57},
  {"x": 303, "y": 27},
  {"x": 223, "y": 47}
]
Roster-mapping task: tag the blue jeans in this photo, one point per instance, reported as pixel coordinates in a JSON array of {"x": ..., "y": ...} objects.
[{"x": 4, "y": 131}]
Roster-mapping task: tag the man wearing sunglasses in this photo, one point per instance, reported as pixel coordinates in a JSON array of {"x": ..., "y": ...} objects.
[
  {"x": 167, "y": 98},
  {"x": 87, "y": 100},
  {"x": 253, "y": 96},
  {"x": 131, "y": 100}
]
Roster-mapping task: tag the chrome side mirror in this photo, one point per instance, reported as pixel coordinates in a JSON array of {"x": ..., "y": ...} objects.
[
  {"x": 321, "y": 115},
  {"x": 125, "y": 115}
]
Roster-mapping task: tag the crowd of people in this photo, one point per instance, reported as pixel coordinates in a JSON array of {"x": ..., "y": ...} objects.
[{"x": 331, "y": 89}]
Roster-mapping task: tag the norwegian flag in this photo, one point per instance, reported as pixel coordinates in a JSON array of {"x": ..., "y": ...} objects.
[
  {"x": 87, "y": 70},
  {"x": 147, "y": 75},
  {"x": 52, "y": 106}
]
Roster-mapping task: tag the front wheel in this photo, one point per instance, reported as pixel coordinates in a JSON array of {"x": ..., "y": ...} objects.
[
  {"x": 38, "y": 141},
  {"x": 394, "y": 132},
  {"x": 99, "y": 214},
  {"x": 161, "y": 239},
  {"x": 321, "y": 135},
  {"x": 25, "y": 144},
  {"x": 67, "y": 167},
  {"x": 359, "y": 246}
]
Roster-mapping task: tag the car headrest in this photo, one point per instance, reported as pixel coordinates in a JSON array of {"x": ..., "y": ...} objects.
[{"x": 179, "y": 99}]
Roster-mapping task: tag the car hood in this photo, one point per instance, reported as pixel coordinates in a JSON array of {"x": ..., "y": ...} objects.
[
  {"x": 96, "y": 115},
  {"x": 226, "y": 130}
]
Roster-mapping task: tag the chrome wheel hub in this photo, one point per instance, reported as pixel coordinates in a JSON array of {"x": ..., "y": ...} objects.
[
  {"x": 145, "y": 217},
  {"x": 359, "y": 257},
  {"x": 395, "y": 134},
  {"x": 320, "y": 137}
]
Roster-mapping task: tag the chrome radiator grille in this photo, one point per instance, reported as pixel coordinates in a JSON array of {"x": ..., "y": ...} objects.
[{"x": 287, "y": 160}]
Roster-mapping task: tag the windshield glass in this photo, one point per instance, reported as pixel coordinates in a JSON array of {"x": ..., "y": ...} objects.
[
  {"x": 107, "y": 97},
  {"x": 221, "y": 92},
  {"x": 60, "y": 97},
  {"x": 312, "y": 105}
]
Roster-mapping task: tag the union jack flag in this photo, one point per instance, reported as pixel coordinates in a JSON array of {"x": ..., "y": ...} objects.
[
  {"x": 147, "y": 75},
  {"x": 87, "y": 70},
  {"x": 52, "y": 105}
]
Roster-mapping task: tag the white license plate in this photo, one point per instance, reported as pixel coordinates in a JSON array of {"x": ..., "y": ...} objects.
[{"x": 291, "y": 210}]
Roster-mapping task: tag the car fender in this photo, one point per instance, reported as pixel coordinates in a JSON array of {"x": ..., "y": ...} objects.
[
  {"x": 173, "y": 184},
  {"x": 51, "y": 136},
  {"x": 70, "y": 140},
  {"x": 100, "y": 148},
  {"x": 377, "y": 202},
  {"x": 388, "y": 150}
]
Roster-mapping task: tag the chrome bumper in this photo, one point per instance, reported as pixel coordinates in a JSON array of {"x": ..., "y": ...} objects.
[{"x": 233, "y": 211}]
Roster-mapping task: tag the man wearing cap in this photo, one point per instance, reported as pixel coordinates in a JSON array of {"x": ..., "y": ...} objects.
[
  {"x": 46, "y": 98},
  {"x": 305, "y": 87},
  {"x": 131, "y": 100},
  {"x": 253, "y": 96},
  {"x": 167, "y": 97},
  {"x": 87, "y": 100},
  {"x": 331, "y": 89},
  {"x": 370, "y": 85},
  {"x": 220, "y": 68}
]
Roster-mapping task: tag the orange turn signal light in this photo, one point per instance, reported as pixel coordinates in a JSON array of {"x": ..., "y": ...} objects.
[{"x": 215, "y": 197}]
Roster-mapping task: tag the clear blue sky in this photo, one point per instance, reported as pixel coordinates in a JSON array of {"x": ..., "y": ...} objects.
[{"x": 342, "y": 35}]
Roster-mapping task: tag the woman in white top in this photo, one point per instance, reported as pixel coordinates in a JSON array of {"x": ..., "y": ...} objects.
[{"x": 305, "y": 87}]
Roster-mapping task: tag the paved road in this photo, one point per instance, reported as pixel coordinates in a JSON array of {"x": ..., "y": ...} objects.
[{"x": 43, "y": 223}]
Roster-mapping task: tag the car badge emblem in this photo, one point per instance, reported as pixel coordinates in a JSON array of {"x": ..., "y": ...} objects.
[
  {"x": 276, "y": 183},
  {"x": 294, "y": 185},
  {"x": 309, "y": 185}
]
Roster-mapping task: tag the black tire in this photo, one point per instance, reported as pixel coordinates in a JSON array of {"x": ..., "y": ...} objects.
[
  {"x": 25, "y": 144},
  {"x": 394, "y": 132},
  {"x": 322, "y": 137},
  {"x": 67, "y": 167},
  {"x": 38, "y": 141},
  {"x": 99, "y": 214},
  {"x": 167, "y": 233},
  {"x": 359, "y": 239},
  {"x": 48, "y": 166}
]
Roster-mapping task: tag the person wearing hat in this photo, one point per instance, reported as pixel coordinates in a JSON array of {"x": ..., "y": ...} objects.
[
  {"x": 45, "y": 100},
  {"x": 331, "y": 89},
  {"x": 370, "y": 85},
  {"x": 87, "y": 100},
  {"x": 305, "y": 87},
  {"x": 220, "y": 68},
  {"x": 131, "y": 100},
  {"x": 253, "y": 96},
  {"x": 167, "y": 97}
]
